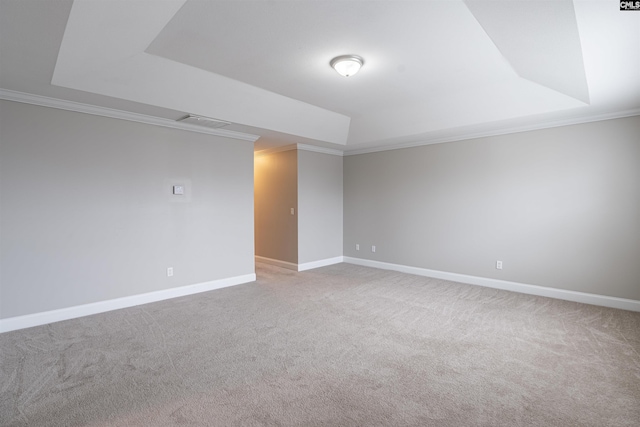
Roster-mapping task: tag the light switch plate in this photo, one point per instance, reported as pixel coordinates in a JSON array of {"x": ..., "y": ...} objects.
[{"x": 178, "y": 190}]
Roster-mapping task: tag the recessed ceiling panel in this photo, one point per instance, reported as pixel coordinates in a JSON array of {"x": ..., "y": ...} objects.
[
  {"x": 412, "y": 49},
  {"x": 540, "y": 40},
  {"x": 428, "y": 65},
  {"x": 120, "y": 68}
]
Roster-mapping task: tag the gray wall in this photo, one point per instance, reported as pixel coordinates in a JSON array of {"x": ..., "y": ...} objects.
[
  {"x": 560, "y": 207},
  {"x": 87, "y": 213},
  {"x": 276, "y": 192},
  {"x": 319, "y": 206}
]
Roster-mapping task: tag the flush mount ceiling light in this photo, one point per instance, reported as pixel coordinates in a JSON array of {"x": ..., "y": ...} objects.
[{"x": 347, "y": 65}]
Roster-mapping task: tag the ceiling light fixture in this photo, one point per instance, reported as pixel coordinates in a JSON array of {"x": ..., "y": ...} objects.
[{"x": 347, "y": 65}]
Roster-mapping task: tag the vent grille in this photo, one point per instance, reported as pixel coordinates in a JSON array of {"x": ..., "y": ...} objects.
[{"x": 204, "y": 121}]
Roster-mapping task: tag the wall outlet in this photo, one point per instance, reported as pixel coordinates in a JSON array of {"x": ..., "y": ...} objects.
[
  {"x": 293, "y": 211},
  {"x": 169, "y": 271},
  {"x": 357, "y": 246},
  {"x": 499, "y": 265},
  {"x": 373, "y": 248}
]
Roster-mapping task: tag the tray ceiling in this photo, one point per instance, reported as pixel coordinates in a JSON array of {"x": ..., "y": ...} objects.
[{"x": 434, "y": 70}]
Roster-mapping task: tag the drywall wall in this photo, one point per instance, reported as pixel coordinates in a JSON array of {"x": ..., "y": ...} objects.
[
  {"x": 319, "y": 206},
  {"x": 560, "y": 207},
  {"x": 87, "y": 212},
  {"x": 275, "y": 194}
]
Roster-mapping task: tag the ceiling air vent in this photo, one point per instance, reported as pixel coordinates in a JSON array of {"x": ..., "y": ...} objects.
[{"x": 204, "y": 121}]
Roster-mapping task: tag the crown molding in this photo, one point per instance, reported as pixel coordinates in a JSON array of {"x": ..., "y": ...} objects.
[
  {"x": 331, "y": 151},
  {"x": 62, "y": 104},
  {"x": 505, "y": 131},
  {"x": 302, "y": 147},
  {"x": 43, "y": 101}
]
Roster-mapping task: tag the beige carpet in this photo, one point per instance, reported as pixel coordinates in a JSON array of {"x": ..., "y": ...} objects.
[{"x": 338, "y": 346}]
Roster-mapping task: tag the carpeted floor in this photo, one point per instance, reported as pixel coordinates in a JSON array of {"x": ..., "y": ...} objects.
[{"x": 337, "y": 346}]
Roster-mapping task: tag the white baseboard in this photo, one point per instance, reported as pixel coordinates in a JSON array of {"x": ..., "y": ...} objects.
[
  {"x": 321, "y": 263},
  {"x": 37, "y": 319},
  {"x": 278, "y": 263},
  {"x": 301, "y": 267},
  {"x": 586, "y": 298}
]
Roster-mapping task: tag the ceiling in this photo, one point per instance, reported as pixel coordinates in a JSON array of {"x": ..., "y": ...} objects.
[{"x": 434, "y": 71}]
